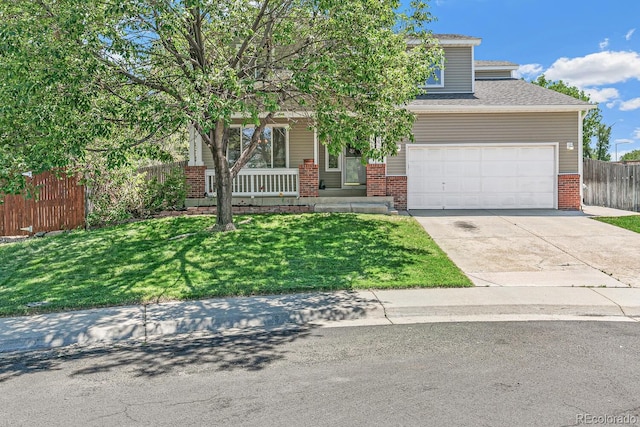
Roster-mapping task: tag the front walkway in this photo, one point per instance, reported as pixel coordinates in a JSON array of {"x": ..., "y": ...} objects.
[{"x": 537, "y": 247}]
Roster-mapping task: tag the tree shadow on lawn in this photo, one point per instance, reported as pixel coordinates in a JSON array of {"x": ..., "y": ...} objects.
[
  {"x": 263, "y": 325},
  {"x": 272, "y": 254}
]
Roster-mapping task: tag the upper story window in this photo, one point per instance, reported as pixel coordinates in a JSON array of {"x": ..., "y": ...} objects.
[
  {"x": 272, "y": 151},
  {"x": 436, "y": 79}
]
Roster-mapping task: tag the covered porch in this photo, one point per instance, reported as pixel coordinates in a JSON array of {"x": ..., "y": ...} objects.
[{"x": 290, "y": 168}]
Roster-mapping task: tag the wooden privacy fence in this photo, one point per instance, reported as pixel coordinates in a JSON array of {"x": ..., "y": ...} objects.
[
  {"x": 59, "y": 205},
  {"x": 614, "y": 185},
  {"x": 160, "y": 172}
]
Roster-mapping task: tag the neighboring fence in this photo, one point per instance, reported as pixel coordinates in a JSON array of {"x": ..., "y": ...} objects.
[
  {"x": 160, "y": 172},
  {"x": 59, "y": 205},
  {"x": 613, "y": 185}
]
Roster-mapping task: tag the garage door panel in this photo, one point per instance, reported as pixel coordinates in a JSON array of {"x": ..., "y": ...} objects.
[
  {"x": 472, "y": 169},
  {"x": 536, "y": 154},
  {"x": 472, "y": 154},
  {"x": 534, "y": 200},
  {"x": 471, "y": 186},
  {"x": 471, "y": 177},
  {"x": 499, "y": 185},
  {"x": 496, "y": 168},
  {"x": 535, "y": 169},
  {"x": 538, "y": 185}
]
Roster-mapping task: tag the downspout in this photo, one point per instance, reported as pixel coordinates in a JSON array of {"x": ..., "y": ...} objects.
[{"x": 581, "y": 116}]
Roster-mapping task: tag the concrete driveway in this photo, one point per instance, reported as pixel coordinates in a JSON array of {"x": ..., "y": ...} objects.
[{"x": 537, "y": 247}]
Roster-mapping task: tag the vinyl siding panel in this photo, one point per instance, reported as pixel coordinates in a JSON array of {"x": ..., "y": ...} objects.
[
  {"x": 457, "y": 71},
  {"x": 496, "y": 128},
  {"x": 207, "y": 157},
  {"x": 300, "y": 143},
  {"x": 493, "y": 74},
  {"x": 331, "y": 179}
]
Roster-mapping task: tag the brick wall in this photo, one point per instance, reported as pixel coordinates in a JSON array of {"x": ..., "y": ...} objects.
[
  {"x": 397, "y": 187},
  {"x": 309, "y": 180},
  {"x": 195, "y": 181},
  {"x": 376, "y": 179},
  {"x": 569, "y": 192}
]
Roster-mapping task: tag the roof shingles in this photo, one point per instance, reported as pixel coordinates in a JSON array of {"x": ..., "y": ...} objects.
[{"x": 501, "y": 93}]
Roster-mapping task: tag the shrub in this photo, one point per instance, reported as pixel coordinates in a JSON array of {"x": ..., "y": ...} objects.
[{"x": 123, "y": 193}]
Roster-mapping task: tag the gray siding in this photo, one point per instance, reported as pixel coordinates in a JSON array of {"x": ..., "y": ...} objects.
[
  {"x": 207, "y": 157},
  {"x": 496, "y": 128},
  {"x": 331, "y": 179},
  {"x": 457, "y": 70},
  {"x": 493, "y": 74},
  {"x": 300, "y": 143}
]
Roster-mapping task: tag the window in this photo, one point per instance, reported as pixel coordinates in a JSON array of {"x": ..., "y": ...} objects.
[
  {"x": 271, "y": 151},
  {"x": 437, "y": 78},
  {"x": 333, "y": 163}
]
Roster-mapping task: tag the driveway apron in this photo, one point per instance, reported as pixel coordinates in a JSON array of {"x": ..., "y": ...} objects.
[{"x": 535, "y": 247}]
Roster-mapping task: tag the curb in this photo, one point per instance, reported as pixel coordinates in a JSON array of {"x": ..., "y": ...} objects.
[{"x": 336, "y": 309}]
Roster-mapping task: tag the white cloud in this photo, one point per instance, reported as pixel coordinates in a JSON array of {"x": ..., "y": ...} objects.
[
  {"x": 529, "y": 71},
  {"x": 596, "y": 69},
  {"x": 632, "y": 104},
  {"x": 611, "y": 104},
  {"x": 604, "y": 43},
  {"x": 602, "y": 95},
  {"x": 636, "y": 133},
  {"x": 629, "y": 34}
]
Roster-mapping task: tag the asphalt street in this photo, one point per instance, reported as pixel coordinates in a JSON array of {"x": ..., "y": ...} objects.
[{"x": 438, "y": 374}]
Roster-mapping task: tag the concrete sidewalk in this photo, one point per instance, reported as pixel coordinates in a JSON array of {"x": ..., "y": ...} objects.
[{"x": 376, "y": 307}]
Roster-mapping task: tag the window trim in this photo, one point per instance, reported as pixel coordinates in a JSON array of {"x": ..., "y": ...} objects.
[
  {"x": 284, "y": 126},
  {"x": 440, "y": 83},
  {"x": 327, "y": 168}
]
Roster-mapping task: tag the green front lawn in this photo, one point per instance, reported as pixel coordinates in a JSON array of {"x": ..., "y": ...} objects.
[
  {"x": 631, "y": 222},
  {"x": 144, "y": 262}
]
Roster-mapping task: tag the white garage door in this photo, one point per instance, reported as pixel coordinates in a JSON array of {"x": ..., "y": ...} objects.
[{"x": 481, "y": 177}]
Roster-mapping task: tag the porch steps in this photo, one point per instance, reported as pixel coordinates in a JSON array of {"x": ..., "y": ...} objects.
[{"x": 371, "y": 208}]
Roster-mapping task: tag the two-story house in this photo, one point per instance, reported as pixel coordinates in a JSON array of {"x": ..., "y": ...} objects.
[{"x": 483, "y": 140}]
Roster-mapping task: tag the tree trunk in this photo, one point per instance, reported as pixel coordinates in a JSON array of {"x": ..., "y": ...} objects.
[{"x": 224, "y": 217}]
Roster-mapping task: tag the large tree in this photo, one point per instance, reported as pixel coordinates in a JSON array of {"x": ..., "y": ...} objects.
[
  {"x": 142, "y": 69},
  {"x": 593, "y": 129},
  {"x": 631, "y": 155}
]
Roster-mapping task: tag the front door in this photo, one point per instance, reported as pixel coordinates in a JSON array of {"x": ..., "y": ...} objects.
[{"x": 355, "y": 173}]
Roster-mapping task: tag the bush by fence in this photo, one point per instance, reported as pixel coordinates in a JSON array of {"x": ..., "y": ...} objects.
[{"x": 115, "y": 195}]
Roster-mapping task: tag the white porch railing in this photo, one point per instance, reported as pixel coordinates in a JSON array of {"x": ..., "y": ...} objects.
[{"x": 258, "y": 182}]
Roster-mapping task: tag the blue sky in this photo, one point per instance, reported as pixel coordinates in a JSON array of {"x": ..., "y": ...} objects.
[{"x": 594, "y": 45}]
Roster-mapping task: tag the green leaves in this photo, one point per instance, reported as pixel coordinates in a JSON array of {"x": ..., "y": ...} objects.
[{"x": 122, "y": 76}]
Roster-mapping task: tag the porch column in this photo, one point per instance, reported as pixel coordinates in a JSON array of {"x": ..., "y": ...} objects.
[
  {"x": 569, "y": 189},
  {"x": 195, "y": 181},
  {"x": 376, "y": 179},
  {"x": 397, "y": 187},
  {"x": 309, "y": 180}
]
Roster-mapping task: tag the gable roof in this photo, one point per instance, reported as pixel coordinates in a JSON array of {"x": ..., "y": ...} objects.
[
  {"x": 461, "y": 39},
  {"x": 499, "y": 95},
  {"x": 450, "y": 40},
  {"x": 494, "y": 65}
]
